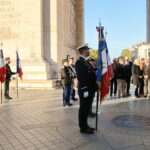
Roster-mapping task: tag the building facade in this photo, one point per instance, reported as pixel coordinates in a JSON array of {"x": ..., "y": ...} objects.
[
  {"x": 148, "y": 21},
  {"x": 43, "y": 32}
]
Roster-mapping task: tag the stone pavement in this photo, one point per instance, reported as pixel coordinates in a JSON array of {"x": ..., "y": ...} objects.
[{"x": 37, "y": 120}]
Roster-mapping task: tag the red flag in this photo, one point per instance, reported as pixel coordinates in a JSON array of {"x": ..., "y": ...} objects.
[{"x": 2, "y": 67}]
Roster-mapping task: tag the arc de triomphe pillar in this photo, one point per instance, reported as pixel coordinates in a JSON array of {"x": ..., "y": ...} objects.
[{"x": 44, "y": 32}]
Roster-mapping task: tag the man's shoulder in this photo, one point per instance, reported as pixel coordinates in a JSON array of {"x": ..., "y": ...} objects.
[
  {"x": 7, "y": 66},
  {"x": 79, "y": 60}
]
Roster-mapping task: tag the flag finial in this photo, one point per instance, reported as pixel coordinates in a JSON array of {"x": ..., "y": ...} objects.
[
  {"x": 106, "y": 33},
  {"x": 99, "y": 21}
]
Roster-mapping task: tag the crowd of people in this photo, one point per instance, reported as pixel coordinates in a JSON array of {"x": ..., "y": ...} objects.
[
  {"x": 68, "y": 80},
  {"x": 127, "y": 72}
]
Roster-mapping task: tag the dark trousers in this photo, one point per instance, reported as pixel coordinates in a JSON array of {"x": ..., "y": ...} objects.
[
  {"x": 141, "y": 90},
  {"x": 92, "y": 102},
  {"x": 7, "y": 81},
  {"x": 113, "y": 86},
  {"x": 137, "y": 91},
  {"x": 66, "y": 94},
  {"x": 73, "y": 92},
  {"x": 128, "y": 80},
  {"x": 85, "y": 107}
]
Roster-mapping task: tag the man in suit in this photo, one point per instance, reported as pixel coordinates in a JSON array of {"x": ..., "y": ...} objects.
[
  {"x": 9, "y": 73},
  {"x": 128, "y": 66},
  {"x": 85, "y": 88}
]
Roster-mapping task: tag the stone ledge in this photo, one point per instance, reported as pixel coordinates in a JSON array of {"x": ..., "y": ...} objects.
[{"x": 36, "y": 84}]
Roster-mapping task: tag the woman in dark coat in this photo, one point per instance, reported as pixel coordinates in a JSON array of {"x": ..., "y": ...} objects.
[{"x": 136, "y": 76}]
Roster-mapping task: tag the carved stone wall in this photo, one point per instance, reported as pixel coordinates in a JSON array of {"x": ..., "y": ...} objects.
[{"x": 43, "y": 32}]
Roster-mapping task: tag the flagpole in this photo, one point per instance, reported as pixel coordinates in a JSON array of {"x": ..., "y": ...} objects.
[
  {"x": 1, "y": 82},
  {"x": 17, "y": 86},
  {"x": 1, "y": 94},
  {"x": 97, "y": 107}
]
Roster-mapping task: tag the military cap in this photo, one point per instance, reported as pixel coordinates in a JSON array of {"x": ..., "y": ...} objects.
[{"x": 85, "y": 46}]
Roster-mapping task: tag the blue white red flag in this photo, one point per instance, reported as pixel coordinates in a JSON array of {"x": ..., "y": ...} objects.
[
  {"x": 2, "y": 67},
  {"x": 104, "y": 68},
  {"x": 18, "y": 63}
]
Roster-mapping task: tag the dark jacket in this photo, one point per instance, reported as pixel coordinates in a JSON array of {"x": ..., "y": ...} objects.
[
  {"x": 66, "y": 78},
  {"x": 72, "y": 71},
  {"x": 128, "y": 68},
  {"x": 85, "y": 74},
  {"x": 146, "y": 70},
  {"x": 136, "y": 74},
  {"x": 9, "y": 73},
  {"x": 114, "y": 66},
  {"x": 120, "y": 71}
]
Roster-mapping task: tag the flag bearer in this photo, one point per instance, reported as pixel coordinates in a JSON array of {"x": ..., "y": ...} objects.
[
  {"x": 85, "y": 89},
  {"x": 9, "y": 73}
]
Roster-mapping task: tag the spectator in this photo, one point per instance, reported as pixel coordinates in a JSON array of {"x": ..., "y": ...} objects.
[
  {"x": 136, "y": 75},
  {"x": 120, "y": 72},
  {"x": 73, "y": 76},
  {"x": 66, "y": 81},
  {"x": 141, "y": 90},
  {"x": 128, "y": 66},
  {"x": 113, "y": 84},
  {"x": 147, "y": 78}
]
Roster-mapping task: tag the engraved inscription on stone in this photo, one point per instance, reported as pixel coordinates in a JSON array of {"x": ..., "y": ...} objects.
[{"x": 8, "y": 13}]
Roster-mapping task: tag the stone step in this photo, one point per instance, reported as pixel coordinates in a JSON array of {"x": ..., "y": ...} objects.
[{"x": 34, "y": 84}]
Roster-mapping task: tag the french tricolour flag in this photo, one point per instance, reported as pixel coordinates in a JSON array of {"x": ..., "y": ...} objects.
[
  {"x": 104, "y": 68},
  {"x": 2, "y": 67},
  {"x": 19, "y": 69}
]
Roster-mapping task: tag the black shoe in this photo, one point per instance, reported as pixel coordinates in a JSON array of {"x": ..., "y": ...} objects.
[
  {"x": 69, "y": 104},
  {"x": 74, "y": 99},
  {"x": 137, "y": 96},
  {"x": 86, "y": 131},
  {"x": 92, "y": 115},
  {"x": 93, "y": 129},
  {"x": 128, "y": 94},
  {"x": 145, "y": 96},
  {"x": 10, "y": 97},
  {"x": 7, "y": 97}
]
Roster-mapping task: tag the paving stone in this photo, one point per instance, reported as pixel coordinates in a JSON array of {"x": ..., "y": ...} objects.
[{"x": 37, "y": 120}]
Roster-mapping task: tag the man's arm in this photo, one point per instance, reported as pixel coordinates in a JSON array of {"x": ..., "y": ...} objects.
[{"x": 82, "y": 73}]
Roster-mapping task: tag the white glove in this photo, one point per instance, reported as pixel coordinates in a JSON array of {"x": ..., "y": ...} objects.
[{"x": 86, "y": 94}]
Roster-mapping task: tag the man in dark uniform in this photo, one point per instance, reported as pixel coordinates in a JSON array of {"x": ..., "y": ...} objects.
[
  {"x": 85, "y": 89},
  {"x": 9, "y": 73},
  {"x": 74, "y": 76}
]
